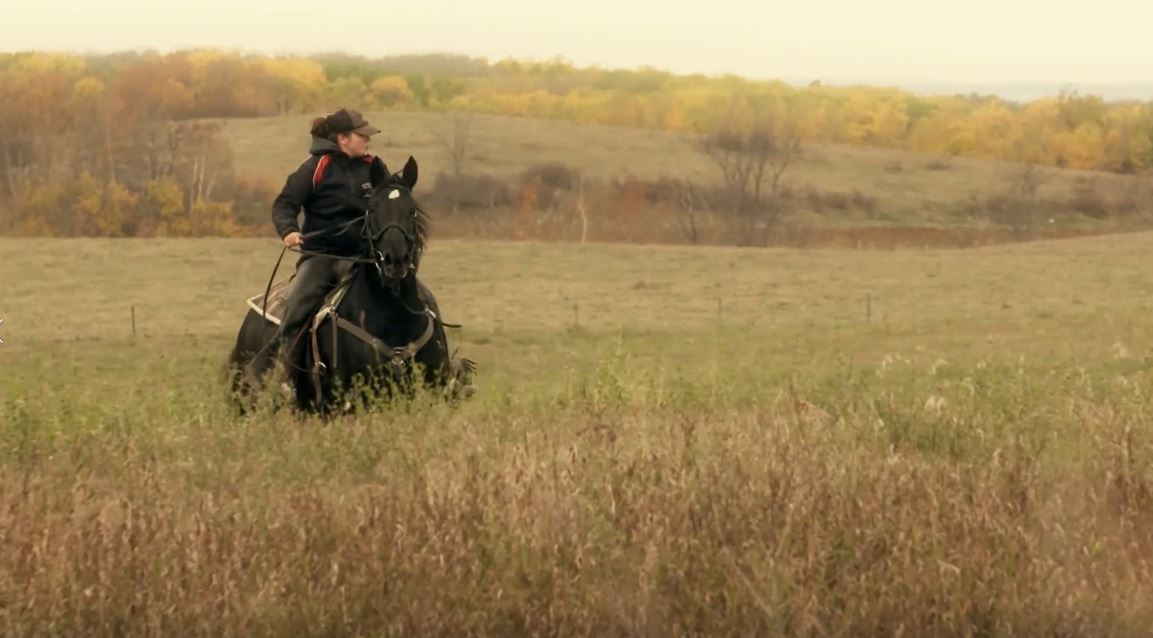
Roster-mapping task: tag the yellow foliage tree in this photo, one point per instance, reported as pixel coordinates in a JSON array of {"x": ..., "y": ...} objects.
[
  {"x": 118, "y": 217},
  {"x": 37, "y": 64},
  {"x": 346, "y": 92},
  {"x": 1128, "y": 147},
  {"x": 211, "y": 218},
  {"x": 1083, "y": 147},
  {"x": 164, "y": 203},
  {"x": 88, "y": 90},
  {"x": 296, "y": 83},
  {"x": 87, "y": 206},
  {"x": 390, "y": 91},
  {"x": 40, "y": 211},
  {"x": 995, "y": 130},
  {"x": 105, "y": 210}
]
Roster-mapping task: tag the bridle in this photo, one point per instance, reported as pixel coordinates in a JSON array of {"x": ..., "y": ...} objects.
[
  {"x": 373, "y": 235},
  {"x": 376, "y": 258}
]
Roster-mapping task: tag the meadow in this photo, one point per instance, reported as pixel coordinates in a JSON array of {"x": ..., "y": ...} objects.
[{"x": 665, "y": 441}]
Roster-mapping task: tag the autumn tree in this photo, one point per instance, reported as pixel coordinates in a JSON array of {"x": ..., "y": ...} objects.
[
  {"x": 389, "y": 91},
  {"x": 294, "y": 83},
  {"x": 753, "y": 147},
  {"x": 418, "y": 86}
]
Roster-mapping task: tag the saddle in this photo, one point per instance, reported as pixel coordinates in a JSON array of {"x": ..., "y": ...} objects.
[
  {"x": 398, "y": 357},
  {"x": 273, "y": 311}
]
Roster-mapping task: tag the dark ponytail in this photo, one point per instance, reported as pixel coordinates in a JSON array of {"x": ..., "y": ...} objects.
[{"x": 320, "y": 127}]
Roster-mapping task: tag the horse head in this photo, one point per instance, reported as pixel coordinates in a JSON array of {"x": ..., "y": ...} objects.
[{"x": 396, "y": 229}]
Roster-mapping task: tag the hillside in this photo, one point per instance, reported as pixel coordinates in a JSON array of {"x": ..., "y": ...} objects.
[
  {"x": 560, "y": 152},
  {"x": 830, "y": 186}
]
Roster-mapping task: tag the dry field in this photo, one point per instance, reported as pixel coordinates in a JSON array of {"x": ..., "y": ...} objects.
[{"x": 666, "y": 441}]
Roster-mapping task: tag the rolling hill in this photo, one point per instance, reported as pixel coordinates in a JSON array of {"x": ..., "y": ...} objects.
[{"x": 829, "y": 186}]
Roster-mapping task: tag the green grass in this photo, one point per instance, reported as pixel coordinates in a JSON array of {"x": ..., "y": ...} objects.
[{"x": 975, "y": 456}]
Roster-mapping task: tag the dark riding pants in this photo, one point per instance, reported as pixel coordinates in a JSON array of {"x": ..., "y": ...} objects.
[{"x": 315, "y": 277}]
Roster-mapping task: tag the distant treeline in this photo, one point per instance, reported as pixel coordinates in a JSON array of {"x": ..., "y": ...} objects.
[{"x": 114, "y": 145}]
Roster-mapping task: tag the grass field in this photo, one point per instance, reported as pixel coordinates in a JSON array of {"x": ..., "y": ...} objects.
[
  {"x": 665, "y": 441},
  {"x": 834, "y": 186}
]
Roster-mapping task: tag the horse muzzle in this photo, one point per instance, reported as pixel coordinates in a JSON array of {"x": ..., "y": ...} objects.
[{"x": 392, "y": 269}]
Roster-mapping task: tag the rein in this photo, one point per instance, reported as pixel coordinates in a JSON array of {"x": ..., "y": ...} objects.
[{"x": 342, "y": 228}]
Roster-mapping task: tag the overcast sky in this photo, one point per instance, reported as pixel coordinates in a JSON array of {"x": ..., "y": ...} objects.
[{"x": 969, "y": 41}]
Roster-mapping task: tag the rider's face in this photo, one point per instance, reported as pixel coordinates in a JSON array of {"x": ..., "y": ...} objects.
[{"x": 354, "y": 144}]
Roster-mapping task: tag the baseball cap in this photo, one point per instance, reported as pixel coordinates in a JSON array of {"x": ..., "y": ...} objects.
[{"x": 350, "y": 121}]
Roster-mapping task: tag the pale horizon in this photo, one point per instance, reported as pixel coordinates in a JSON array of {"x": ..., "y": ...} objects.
[{"x": 890, "y": 42}]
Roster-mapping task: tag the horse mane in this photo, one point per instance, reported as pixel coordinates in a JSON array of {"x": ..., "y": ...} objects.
[{"x": 423, "y": 226}]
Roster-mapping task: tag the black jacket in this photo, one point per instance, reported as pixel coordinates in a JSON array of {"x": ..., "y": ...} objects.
[{"x": 341, "y": 195}]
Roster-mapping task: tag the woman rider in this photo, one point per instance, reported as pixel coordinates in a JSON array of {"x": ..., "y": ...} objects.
[{"x": 332, "y": 187}]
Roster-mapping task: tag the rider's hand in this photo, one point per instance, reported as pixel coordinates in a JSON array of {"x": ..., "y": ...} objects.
[{"x": 293, "y": 239}]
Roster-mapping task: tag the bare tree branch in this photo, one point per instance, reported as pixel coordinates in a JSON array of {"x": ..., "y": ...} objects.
[
  {"x": 455, "y": 140},
  {"x": 755, "y": 143}
]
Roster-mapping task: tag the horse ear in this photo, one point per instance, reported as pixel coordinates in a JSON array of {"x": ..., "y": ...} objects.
[
  {"x": 409, "y": 173},
  {"x": 377, "y": 172}
]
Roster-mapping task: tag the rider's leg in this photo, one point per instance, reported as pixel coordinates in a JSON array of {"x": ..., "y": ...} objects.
[{"x": 315, "y": 277}]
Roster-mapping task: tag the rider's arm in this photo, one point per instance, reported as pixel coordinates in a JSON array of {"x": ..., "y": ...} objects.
[{"x": 292, "y": 197}]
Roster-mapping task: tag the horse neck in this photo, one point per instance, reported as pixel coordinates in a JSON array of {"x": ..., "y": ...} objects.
[{"x": 385, "y": 311}]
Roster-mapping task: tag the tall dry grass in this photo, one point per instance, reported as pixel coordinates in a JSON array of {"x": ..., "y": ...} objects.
[
  {"x": 666, "y": 441},
  {"x": 996, "y": 499}
]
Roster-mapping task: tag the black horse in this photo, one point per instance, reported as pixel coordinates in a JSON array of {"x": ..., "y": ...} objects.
[{"x": 379, "y": 330}]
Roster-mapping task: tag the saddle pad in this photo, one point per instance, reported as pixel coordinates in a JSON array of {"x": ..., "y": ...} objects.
[
  {"x": 278, "y": 294},
  {"x": 276, "y": 297}
]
